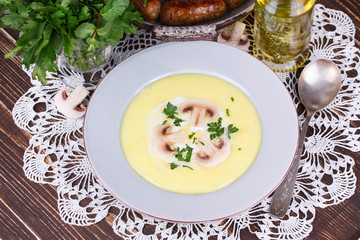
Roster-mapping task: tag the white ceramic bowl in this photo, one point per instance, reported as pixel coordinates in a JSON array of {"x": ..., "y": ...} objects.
[{"x": 266, "y": 91}]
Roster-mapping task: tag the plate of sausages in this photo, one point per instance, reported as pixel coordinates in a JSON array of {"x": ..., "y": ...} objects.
[{"x": 175, "y": 20}]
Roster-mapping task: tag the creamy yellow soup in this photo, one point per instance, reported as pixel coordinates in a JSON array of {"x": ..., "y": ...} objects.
[{"x": 135, "y": 134}]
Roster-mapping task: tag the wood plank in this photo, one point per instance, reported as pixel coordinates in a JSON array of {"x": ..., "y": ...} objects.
[{"x": 10, "y": 224}]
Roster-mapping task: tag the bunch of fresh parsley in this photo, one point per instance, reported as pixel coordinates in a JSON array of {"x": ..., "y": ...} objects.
[{"x": 49, "y": 27}]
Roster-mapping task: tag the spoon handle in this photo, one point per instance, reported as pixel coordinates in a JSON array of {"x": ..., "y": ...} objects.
[{"x": 283, "y": 194}]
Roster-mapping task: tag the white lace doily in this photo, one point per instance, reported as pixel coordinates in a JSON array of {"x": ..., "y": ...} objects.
[{"x": 56, "y": 150}]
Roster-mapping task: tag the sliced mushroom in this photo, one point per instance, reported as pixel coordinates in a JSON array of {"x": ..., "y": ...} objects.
[
  {"x": 70, "y": 103},
  {"x": 237, "y": 38},
  {"x": 210, "y": 154},
  {"x": 200, "y": 110},
  {"x": 162, "y": 139}
]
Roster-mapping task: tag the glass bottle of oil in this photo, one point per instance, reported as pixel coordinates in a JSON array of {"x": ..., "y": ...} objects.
[{"x": 282, "y": 32}]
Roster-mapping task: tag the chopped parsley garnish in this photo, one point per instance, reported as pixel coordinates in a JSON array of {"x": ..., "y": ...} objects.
[
  {"x": 232, "y": 129},
  {"x": 215, "y": 129},
  {"x": 202, "y": 143},
  {"x": 173, "y": 166},
  {"x": 170, "y": 112},
  {"x": 232, "y": 99},
  {"x": 191, "y": 135},
  {"x": 179, "y": 153},
  {"x": 177, "y": 121},
  {"x": 164, "y": 122},
  {"x": 239, "y": 149},
  {"x": 187, "y": 167},
  {"x": 227, "y": 112}
]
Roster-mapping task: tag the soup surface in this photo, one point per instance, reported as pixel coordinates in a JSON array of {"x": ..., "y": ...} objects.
[{"x": 190, "y": 133}]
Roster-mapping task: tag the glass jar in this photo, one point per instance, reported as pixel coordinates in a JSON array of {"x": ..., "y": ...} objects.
[
  {"x": 85, "y": 60},
  {"x": 282, "y": 32},
  {"x": 88, "y": 66}
]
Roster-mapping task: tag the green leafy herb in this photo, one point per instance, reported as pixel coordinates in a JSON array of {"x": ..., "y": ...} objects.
[
  {"x": 173, "y": 166},
  {"x": 239, "y": 149},
  {"x": 215, "y": 129},
  {"x": 194, "y": 140},
  {"x": 227, "y": 112},
  {"x": 50, "y": 27},
  {"x": 232, "y": 99},
  {"x": 170, "y": 112},
  {"x": 180, "y": 154},
  {"x": 202, "y": 143},
  {"x": 191, "y": 135},
  {"x": 164, "y": 122},
  {"x": 187, "y": 167},
  {"x": 232, "y": 129},
  {"x": 177, "y": 121}
]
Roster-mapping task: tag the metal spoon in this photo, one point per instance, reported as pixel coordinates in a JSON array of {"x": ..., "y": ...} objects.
[{"x": 319, "y": 83}]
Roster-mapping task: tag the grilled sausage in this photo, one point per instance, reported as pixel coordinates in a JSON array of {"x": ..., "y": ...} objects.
[
  {"x": 150, "y": 11},
  {"x": 187, "y": 12},
  {"x": 233, "y": 3}
]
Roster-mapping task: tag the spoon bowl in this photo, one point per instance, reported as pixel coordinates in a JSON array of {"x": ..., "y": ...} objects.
[{"x": 319, "y": 84}]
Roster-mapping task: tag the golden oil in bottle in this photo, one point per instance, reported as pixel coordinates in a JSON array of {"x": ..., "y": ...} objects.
[{"x": 282, "y": 32}]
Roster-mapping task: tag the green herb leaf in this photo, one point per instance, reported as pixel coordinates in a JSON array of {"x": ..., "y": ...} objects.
[
  {"x": 45, "y": 39},
  {"x": 164, "y": 122},
  {"x": 227, "y": 112},
  {"x": 189, "y": 153},
  {"x": 39, "y": 7},
  {"x": 215, "y": 129},
  {"x": 85, "y": 30},
  {"x": 173, "y": 166},
  {"x": 170, "y": 110},
  {"x": 179, "y": 154},
  {"x": 232, "y": 129},
  {"x": 68, "y": 42},
  {"x": 39, "y": 72},
  {"x": 232, "y": 99},
  {"x": 84, "y": 14},
  {"x": 13, "y": 20},
  {"x": 13, "y": 52},
  {"x": 65, "y": 3},
  {"x": 202, "y": 143},
  {"x": 72, "y": 21},
  {"x": 177, "y": 121},
  {"x": 29, "y": 26},
  {"x": 191, "y": 135},
  {"x": 114, "y": 9},
  {"x": 187, "y": 167}
]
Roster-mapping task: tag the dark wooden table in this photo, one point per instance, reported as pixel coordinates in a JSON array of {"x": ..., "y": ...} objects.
[{"x": 29, "y": 210}]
